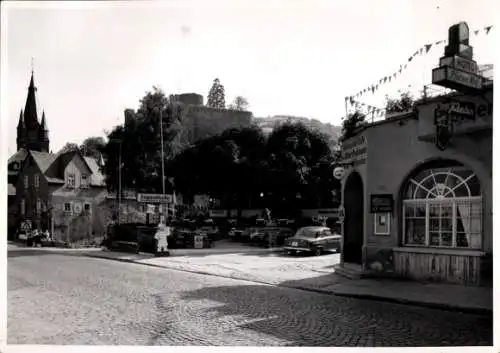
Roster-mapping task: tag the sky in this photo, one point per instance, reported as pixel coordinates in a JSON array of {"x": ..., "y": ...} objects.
[{"x": 92, "y": 60}]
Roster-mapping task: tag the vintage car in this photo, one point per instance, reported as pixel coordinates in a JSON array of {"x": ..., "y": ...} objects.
[
  {"x": 314, "y": 239},
  {"x": 210, "y": 229},
  {"x": 235, "y": 233}
]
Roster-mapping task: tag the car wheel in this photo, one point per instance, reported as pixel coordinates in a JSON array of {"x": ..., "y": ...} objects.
[{"x": 318, "y": 251}]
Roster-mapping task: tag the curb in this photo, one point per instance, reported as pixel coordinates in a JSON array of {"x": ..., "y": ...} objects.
[{"x": 440, "y": 306}]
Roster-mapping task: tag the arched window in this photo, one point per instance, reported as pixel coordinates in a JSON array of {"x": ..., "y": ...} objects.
[{"x": 443, "y": 207}]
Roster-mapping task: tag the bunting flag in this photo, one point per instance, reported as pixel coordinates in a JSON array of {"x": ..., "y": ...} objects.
[{"x": 421, "y": 51}]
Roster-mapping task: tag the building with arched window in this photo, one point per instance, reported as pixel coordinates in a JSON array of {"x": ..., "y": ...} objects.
[{"x": 417, "y": 194}]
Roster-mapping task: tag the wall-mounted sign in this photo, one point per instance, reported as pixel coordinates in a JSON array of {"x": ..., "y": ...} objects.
[
  {"x": 154, "y": 198},
  {"x": 339, "y": 173},
  {"x": 382, "y": 223},
  {"x": 381, "y": 203},
  {"x": 354, "y": 150},
  {"x": 449, "y": 115},
  {"x": 456, "y": 69}
]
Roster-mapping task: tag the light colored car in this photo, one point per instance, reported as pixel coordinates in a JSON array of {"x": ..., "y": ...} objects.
[{"x": 314, "y": 239}]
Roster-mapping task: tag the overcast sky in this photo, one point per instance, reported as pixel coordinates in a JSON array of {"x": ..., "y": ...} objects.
[{"x": 92, "y": 60}]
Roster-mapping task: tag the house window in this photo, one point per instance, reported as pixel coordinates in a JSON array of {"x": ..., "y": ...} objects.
[
  {"x": 26, "y": 181},
  {"x": 443, "y": 207},
  {"x": 86, "y": 207},
  {"x": 23, "y": 207},
  {"x": 38, "y": 206},
  {"x": 37, "y": 181},
  {"x": 84, "y": 182},
  {"x": 67, "y": 207},
  {"x": 70, "y": 180}
]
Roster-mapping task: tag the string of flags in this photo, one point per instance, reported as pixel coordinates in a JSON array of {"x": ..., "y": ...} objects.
[{"x": 386, "y": 79}]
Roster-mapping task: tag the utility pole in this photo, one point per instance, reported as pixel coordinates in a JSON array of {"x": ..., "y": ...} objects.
[
  {"x": 162, "y": 152},
  {"x": 119, "y": 181}
]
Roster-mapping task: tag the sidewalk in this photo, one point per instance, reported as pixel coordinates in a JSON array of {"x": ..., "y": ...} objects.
[{"x": 317, "y": 274}]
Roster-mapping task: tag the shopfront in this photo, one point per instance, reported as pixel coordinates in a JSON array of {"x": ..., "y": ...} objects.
[{"x": 418, "y": 196}]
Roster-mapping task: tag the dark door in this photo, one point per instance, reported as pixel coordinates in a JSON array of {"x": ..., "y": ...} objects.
[{"x": 354, "y": 219}]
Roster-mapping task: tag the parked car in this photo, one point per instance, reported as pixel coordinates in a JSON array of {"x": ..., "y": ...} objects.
[
  {"x": 235, "y": 233},
  {"x": 315, "y": 239}
]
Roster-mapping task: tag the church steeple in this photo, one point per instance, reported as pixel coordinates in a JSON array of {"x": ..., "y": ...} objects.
[
  {"x": 32, "y": 134},
  {"x": 30, "y": 111},
  {"x": 21, "y": 124}
]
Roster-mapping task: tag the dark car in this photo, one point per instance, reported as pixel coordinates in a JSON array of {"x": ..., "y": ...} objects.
[{"x": 315, "y": 239}]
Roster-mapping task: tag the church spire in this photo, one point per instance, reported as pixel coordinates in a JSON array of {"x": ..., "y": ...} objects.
[
  {"x": 43, "y": 124},
  {"x": 21, "y": 124},
  {"x": 30, "y": 111}
]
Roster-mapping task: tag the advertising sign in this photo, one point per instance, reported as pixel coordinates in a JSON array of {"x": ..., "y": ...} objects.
[
  {"x": 354, "y": 150},
  {"x": 198, "y": 241},
  {"x": 380, "y": 203}
]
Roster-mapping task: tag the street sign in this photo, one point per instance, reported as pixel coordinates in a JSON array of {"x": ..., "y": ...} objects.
[
  {"x": 154, "y": 198},
  {"x": 341, "y": 215},
  {"x": 26, "y": 225}
]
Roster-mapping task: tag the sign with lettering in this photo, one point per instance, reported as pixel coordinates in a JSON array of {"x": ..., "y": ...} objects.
[
  {"x": 354, "y": 150},
  {"x": 154, "y": 198},
  {"x": 456, "y": 69},
  {"x": 381, "y": 203}
]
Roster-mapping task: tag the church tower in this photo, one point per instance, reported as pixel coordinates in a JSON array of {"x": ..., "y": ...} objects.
[{"x": 31, "y": 134}]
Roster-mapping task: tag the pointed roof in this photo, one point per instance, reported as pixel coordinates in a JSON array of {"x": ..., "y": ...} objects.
[
  {"x": 43, "y": 159},
  {"x": 30, "y": 109},
  {"x": 43, "y": 124},
  {"x": 21, "y": 120}
]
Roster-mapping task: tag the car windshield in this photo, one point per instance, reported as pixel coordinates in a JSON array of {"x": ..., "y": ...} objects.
[{"x": 309, "y": 232}]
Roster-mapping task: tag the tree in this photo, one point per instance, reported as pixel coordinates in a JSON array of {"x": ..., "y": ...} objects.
[
  {"x": 138, "y": 142},
  {"x": 93, "y": 146},
  {"x": 216, "y": 96},
  {"x": 404, "y": 103},
  {"x": 69, "y": 146},
  {"x": 351, "y": 124},
  {"x": 239, "y": 103}
]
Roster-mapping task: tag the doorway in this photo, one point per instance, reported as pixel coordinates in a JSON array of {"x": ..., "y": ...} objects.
[{"x": 354, "y": 219}]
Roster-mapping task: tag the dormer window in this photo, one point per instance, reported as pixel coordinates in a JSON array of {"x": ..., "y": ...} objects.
[
  {"x": 70, "y": 180},
  {"x": 84, "y": 182}
]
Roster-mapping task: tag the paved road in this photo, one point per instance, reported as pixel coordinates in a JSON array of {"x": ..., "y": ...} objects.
[{"x": 62, "y": 299}]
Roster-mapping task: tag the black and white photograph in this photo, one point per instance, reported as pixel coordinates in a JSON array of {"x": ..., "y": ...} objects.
[{"x": 248, "y": 173}]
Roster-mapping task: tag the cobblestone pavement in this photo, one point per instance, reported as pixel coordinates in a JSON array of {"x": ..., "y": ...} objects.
[{"x": 58, "y": 299}]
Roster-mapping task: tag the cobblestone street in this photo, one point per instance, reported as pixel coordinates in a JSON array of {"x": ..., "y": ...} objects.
[{"x": 59, "y": 299}]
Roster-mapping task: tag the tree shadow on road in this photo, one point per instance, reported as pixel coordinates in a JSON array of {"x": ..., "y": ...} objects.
[
  {"x": 27, "y": 252},
  {"x": 301, "y": 318}
]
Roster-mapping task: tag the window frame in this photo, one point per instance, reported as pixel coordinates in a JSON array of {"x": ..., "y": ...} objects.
[
  {"x": 86, "y": 184},
  {"x": 23, "y": 206},
  {"x": 470, "y": 200},
  {"x": 73, "y": 178},
  {"x": 38, "y": 206},
  {"x": 37, "y": 181},
  {"x": 26, "y": 182},
  {"x": 70, "y": 211}
]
